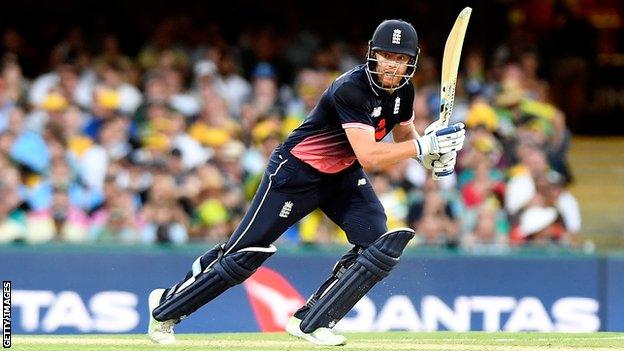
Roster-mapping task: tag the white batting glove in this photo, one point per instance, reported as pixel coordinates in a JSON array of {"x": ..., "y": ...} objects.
[
  {"x": 445, "y": 165},
  {"x": 435, "y": 125},
  {"x": 442, "y": 141},
  {"x": 428, "y": 160}
]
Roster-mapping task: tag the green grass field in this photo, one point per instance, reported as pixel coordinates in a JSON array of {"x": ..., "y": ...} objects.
[{"x": 437, "y": 341}]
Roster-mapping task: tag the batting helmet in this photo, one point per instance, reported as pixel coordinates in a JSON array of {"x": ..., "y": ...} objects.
[{"x": 394, "y": 36}]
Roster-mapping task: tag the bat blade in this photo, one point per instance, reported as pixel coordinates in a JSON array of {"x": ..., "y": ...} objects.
[{"x": 450, "y": 65}]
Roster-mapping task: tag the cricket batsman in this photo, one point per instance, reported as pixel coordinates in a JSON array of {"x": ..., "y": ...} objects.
[{"x": 320, "y": 165}]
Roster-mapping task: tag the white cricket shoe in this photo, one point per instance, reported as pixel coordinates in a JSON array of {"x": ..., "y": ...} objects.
[
  {"x": 159, "y": 332},
  {"x": 321, "y": 336}
]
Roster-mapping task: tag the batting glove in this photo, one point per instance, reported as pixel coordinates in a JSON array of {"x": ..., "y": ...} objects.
[
  {"x": 435, "y": 125},
  {"x": 428, "y": 160},
  {"x": 445, "y": 165},
  {"x": 442, "y": 141}
]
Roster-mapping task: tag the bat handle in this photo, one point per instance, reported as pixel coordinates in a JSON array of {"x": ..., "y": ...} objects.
[{"x": 448, "y": 130}]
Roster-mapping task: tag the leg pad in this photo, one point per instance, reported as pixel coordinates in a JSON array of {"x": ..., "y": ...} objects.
[
  {"x": 218, "y": 276},
  {"x": 371, "y": 265}
]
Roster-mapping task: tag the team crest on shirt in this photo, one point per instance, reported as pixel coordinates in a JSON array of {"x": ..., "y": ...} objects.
[
  {"x": 397, "y": 105},
  {"x": 376, "y": 112}
]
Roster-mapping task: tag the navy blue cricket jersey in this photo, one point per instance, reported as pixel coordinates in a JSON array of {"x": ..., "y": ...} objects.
[{"x": 349, "y": 102}]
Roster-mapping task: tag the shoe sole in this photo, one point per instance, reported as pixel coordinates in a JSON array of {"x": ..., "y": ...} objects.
[
  {"x": 316, "y": 341},
  {"x": 297, "y": 332}
]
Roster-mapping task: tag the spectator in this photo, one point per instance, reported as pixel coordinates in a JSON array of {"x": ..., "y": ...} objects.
[
  {"x": 393, "y": 199},
  {"x": 117, "y": 221},
  {"x": 165, "y": 217},
  {"x": 484, "y": 186},
  {"x": 214, "y": 125},
  {"x": 539, "y": 227},
  {"x": 14, "y": 85},
  {"x": 212, "y": 216},
  {"x": 12, "y": 215},
  {"x": 61, "y": 221},
  {"x": 112, "y": 85},
  {"x": 111, "y": 51},
  {"x": 490, "y": 231},
  {"x": 536, "y": 86},
  {"x": 230, "y": 84},
  {"x": 264, "y": 100},
  {"x": 434, "y": 219},
  {"x": 64, "y": 80},
  {"x": 550, "y": 187}
]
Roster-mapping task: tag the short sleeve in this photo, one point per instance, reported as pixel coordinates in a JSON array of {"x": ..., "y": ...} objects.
[
  {"x": 406, "y": 116},
  {"x": 353, "y": 108}
]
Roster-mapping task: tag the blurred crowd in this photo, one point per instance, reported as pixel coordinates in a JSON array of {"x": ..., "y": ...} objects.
[{"x": 169, "y": 145}]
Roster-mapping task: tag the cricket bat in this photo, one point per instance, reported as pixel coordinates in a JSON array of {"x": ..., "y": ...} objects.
[{"x": 450, "y": 65}]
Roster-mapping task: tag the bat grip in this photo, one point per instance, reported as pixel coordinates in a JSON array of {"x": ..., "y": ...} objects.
[{"x": 448, "y": 130}]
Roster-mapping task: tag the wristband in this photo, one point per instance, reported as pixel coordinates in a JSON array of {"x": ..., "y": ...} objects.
[{"x": 418, "y": 149}]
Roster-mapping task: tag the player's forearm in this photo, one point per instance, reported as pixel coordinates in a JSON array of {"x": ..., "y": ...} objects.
[
  {"x": 404, "y": 135},
  {"x": 384, "y": 154}
]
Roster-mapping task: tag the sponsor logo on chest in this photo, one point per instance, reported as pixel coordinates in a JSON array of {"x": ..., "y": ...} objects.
[{"x": 376, "y": 112}]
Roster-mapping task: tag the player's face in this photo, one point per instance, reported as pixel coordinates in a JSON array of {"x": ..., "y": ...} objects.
[{"x": 391, "y": 66}]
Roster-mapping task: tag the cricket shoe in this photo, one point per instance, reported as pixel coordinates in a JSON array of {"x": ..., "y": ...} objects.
[
  {"x": 321, "y": 336},
  {"x": 159, "y": 332}
]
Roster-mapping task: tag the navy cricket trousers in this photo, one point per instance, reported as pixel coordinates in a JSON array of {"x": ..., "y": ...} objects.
[{"x": 290, "y": 189}]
